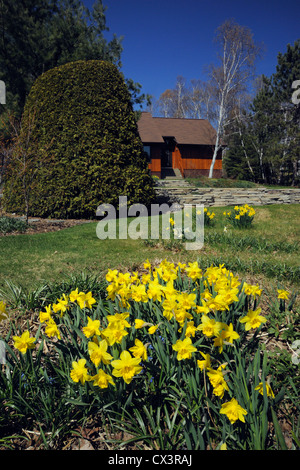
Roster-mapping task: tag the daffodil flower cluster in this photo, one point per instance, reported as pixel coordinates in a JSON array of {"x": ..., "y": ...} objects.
[
  {"x": 199, "y": 313},
  {"x": 208, "y": 216},
  {"x": 241, "y": 216}
]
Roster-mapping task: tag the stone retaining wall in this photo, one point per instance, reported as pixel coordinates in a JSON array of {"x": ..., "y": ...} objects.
[{"x": 188, "y": 194}]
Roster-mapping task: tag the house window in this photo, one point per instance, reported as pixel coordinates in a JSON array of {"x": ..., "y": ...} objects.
[{"x": 147, "y": 150}]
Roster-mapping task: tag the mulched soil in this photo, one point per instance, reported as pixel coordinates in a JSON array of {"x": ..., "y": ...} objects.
[{"x": 37, "y": 225}]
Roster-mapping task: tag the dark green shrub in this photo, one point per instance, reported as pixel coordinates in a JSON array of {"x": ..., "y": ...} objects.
[{"x": 84, "y": 140}]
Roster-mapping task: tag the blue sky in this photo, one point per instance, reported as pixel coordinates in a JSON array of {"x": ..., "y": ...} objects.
[{"x": 167, "y": 38}]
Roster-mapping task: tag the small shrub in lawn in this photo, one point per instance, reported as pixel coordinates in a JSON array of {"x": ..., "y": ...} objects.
[
  {"x": 9, "y": 224},
  {"x": 241, "y": 216},
  {"x": 170, "y": 355}
]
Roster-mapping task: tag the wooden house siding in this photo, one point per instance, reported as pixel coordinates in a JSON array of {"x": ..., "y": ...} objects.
[{"x": 189, "y": 142}]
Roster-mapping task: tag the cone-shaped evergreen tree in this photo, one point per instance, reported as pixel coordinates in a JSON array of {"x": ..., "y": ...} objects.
[{"x": 82, "y": 143}]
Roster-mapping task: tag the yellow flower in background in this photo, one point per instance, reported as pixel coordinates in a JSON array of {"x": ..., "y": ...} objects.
[
  {"x": 102, "y": 380},
  {"x": 3, "y": 312},
  {"x": 24, "y": 342},
  {"x": 184, "y": 348},
  {"x": 147, "y": 264},
  {"x": 92, "y": 328},
  {"x": 253, "y": 319},
  {"x": 269, "y": 390},
  {"x": 45, "y": 316},
  {"x": 252, "y": 289},
  {"x": 206, "y": 363},
  {"x": 139, "y": 350},
  {"x": 98, "y": 352},
  {"x": 233, "y": 411},
  {"x": 283, "y": 294},
  {"x": 126, "y": 367},
  {"x": 85, "y": 300},
  {"x": 51, "y": 329},
  {"x": 79, "y": 373}
]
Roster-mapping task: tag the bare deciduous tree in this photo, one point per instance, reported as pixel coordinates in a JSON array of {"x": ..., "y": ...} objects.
[
  {"x": 237, "y": 56},
  {"x": 23, "y": 157}
]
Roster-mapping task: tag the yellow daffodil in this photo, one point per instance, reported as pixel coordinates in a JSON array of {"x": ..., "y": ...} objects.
[
  {"x": 269, "y": 390},
  {"x": 74, "y": 295},
  {"x": 282, "y": 294},
  {"x": 92, "y": 328},
  {"x": 152, "y": 329},
  {"x": 85, "y": 300},
  {"x": 79, "y": 373},
  {"x": 51, "y": 329},
  {"x": 253, "y": 319},
  {"x": 233, "y": 411},
  {"x": 101, "y": 379},
  {"x": 193, "y": 271},
  {"x": 114, "y": 334},
  {"x": 147, "y": 264},
  {"x": 3, "y": 312},
  {"x": 61, "y": 305},
  {"x": 139, "y": 323},
  {"x": 186, "y": 300},
  {"x": 216, "y": 378},
  {"x": 118, "y": 320},
  {"x": 209, "y": 326},
  {"x": 126, "y": 367},
  {"x": 184, "y": 348},
  {"x": 229, "y": 333},
  {"x": 204, "y": 364},
  {"x": 139, "y": 294},
  {"x": 139, "y": 349},
  {"x": 24, "y": 342},
  {"x": 45, "y": 316},
  {"x": 111, "y": 275},
  {"x": 98, "y": 352},
  {"x": 155, "y": 291}
]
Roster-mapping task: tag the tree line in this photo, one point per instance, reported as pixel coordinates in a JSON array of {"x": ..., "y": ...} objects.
[{"x": 257, "y": 118}]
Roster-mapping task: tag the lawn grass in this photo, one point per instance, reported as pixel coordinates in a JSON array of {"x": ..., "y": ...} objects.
[
  {"x": 205, "y": 182},
  {"x": 268, "y": 249}
]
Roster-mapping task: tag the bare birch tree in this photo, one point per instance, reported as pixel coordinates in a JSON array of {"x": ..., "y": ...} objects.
[{"x": 237, "y": 56}]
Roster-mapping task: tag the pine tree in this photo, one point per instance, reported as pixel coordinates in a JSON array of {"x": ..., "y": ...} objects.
[{"x": 37, "y": 35}]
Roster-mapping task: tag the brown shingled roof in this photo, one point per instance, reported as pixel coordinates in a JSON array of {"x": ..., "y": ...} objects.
[{"x": 186, "y": 131}]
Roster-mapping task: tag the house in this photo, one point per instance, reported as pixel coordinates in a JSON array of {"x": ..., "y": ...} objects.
[{"x": 183, "y": 144}]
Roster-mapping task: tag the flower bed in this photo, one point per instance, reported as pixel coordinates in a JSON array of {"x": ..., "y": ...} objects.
[{"x": 170, "y": 355}]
